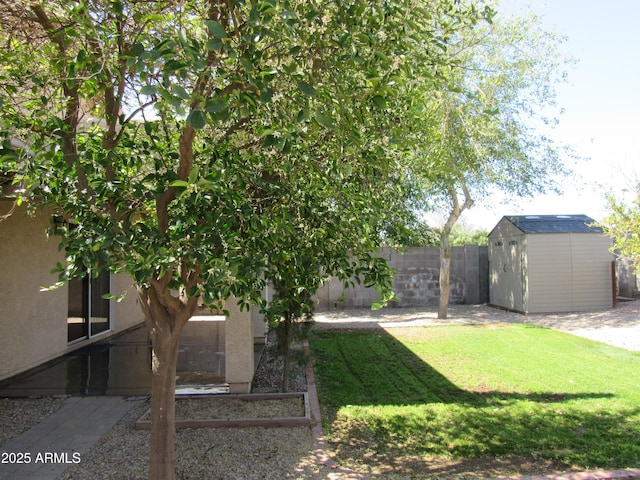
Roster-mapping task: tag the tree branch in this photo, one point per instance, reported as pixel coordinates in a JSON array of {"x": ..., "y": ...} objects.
[{"x": 72, "y": 111}]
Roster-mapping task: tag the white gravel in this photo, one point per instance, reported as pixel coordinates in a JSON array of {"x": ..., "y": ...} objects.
[
  {"x": 17, "y": 415},
  {"x": 619, "y": 327},
  {"x": 203, "y": 453}
]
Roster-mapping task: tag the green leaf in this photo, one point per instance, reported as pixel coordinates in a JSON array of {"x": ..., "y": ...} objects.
[
  {"x": 325, "y": 120},
  {"x": 193, "y": 174},
  {"x": 136, "y": 50},
  {"x": 288, "y": 15},
  {"x": 197, "y": 119},
  {"x": 267, "y": 131},
  {"x": 148, "y": 90},
  {"x": 348, "y": 170},
  {"x": 303, "y": 116},
  {"x": 269, "y": 141},
  {"x": 379, "y": 101},
  {"x": 180, "y": 92},
  {"x": 266, "y": 95},
  {"x": 214, "y": 105},
  {"x": 307, "y": 88},
  {"x": 182, "y": 38},
  {"x": 248, "y": 66},
  {"x": 179, "y": 183},
  {"x": 364, "y": 38},
  {"x": 216, "y": 29},
  {"x": 214, "y": 44}
]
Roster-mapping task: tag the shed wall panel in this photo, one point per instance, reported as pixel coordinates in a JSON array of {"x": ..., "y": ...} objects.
[
  {"x": 591, "y": 271},
  {"x": 559, "y": 272},
  {"x": 568, "y": 272},
  {"x": 506, "y": 282},
  {"x": 549, "y": 286}
]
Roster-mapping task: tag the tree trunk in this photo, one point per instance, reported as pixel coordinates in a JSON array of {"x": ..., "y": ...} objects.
[
  {"x": 445, "y": 246},
  {"x": 286, "y": 340},
  {"x": 163, "y": 416},
  {"x": 445, "y": 275},
  {"x": 165, "y": 325}
]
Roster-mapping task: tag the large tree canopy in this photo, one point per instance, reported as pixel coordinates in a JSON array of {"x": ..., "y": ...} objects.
[
  {"x": 484, "y": 129},
  {"x": 622, "y": 224},
  {"x": 189, "y": 143}
]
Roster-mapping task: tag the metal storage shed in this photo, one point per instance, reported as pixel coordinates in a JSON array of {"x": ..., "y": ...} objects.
[{"x": 550, "y": 263}]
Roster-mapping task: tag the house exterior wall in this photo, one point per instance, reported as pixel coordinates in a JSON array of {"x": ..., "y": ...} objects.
[
  {"x": 27, "y": 315},
  {"x": 33, "y": 323},
  {"x": 127, "y": 312},
  {"x": 507, "y": 264}
]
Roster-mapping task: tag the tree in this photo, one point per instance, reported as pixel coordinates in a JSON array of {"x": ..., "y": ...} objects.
[
  {"x": 319, "y": 244},
  {"x": 623, "y": 226},
  {"x": 481, "y": 130},
  {"x": 461, "y": 236},
  {"x": 165, "y": 134}
]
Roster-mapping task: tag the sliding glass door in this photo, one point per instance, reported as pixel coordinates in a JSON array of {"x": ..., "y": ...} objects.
[{"x": 89, "y": 312}]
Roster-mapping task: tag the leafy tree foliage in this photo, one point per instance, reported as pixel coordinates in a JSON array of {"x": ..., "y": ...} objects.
[
  {"x": 623, "y": 226},
  {"x": 481, "y": 130},
  {"x": 461, "y": 237},
  {"x": 200, "y": 146}
]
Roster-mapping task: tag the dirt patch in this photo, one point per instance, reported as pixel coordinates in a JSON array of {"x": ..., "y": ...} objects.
[
  {"x": 228, "y": 411},
  {"x": 362, "y": 456},
  {"x": 380, "y": 466}
]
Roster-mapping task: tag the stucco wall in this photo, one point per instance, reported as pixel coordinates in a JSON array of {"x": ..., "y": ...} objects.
[
  {"x": 28, "y": 317},
  {"x": 33, "y": 323},
  {"x": 126, "y": 312}
]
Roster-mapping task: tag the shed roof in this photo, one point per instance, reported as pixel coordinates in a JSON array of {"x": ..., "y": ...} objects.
[{"x": 553, "y": 223}]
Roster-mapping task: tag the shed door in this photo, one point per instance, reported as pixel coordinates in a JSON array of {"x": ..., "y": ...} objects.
[{"x": 506, "y": 274}]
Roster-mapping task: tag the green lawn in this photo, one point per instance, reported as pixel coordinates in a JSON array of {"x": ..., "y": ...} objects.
[{"x": 462, "y": 392}]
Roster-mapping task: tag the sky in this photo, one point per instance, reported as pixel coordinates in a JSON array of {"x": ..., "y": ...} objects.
[{"x": 601, "y": 103}]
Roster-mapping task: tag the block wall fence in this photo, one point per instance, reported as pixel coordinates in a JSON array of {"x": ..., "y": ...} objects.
[{"x": 416, "y": 282}]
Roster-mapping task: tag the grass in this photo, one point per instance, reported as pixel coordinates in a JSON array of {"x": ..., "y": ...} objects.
[{"x": 465, "y": 392}]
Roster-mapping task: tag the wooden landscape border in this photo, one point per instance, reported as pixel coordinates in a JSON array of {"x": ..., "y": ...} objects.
[{"x": 304, "y": 420}]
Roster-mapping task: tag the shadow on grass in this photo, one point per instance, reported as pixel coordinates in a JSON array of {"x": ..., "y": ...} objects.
[
  {"x": 380, "y": 370},
  {"x": 383, "y": 403}
]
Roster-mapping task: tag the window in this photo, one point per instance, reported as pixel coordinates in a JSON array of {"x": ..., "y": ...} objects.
[{"x": 88, "y": 311}]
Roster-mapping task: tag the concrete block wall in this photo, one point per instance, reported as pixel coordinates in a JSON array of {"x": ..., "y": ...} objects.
[
  {"x": 416, "y": 282},
  {"x": 627, "y": 279}
]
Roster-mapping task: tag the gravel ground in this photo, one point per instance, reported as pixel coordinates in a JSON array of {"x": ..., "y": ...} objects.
[
  {"x": 286, "y": 453},
  {"x": 216, "y": 453},
  {"x": 203, "y": 453},
  {"x": 220, "y": 408},
  {"x": 619, "y": 327},
  {"x": 17, "y": 415}
]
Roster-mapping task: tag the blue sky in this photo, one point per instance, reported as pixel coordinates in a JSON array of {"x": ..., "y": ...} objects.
[{"x": 601, "y": 103}]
